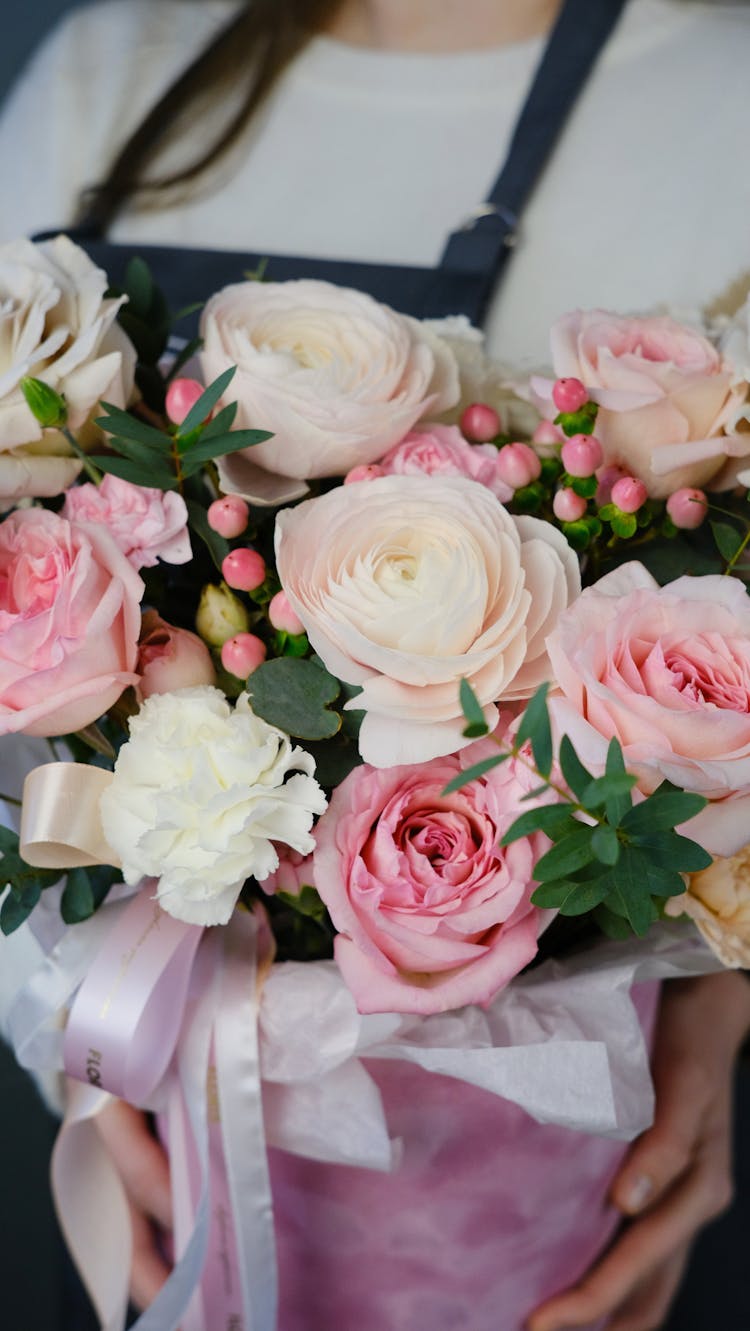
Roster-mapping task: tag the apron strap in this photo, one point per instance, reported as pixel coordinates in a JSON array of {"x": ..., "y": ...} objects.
[{"x": 484, "y": 242}]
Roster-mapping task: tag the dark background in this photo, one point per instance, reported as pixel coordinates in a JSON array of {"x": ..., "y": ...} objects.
[{"x": 35, "y": 1287}]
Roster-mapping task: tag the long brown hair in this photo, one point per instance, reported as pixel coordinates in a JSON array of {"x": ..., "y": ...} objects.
[{"x": 253, "y": 50}]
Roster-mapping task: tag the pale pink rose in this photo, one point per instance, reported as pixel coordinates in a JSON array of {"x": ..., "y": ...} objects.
[
  {"x": 147, "y": 524},
  {"x": 441, "y": 450},
  {"x": 170, "y": 658},
  {"x": 294, "y": 872},
  {"x": 56, "y": 324},
  {"x": 665, "y": 395},
  {"x": 406, "y": 584},
  {"x": 336, "y": 376},
  {"x": 665, "y": 670},
  {"x": 69, "y": 623},
  {"x": 432, "y": 913}
]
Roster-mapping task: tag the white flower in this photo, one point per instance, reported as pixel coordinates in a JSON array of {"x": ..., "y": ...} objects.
[
  {"x": 200, "y": 793},
  {"x": 55, "y": 325}
]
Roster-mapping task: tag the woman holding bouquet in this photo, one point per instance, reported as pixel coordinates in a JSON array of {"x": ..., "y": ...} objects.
[{"x": 351, "y": 143}]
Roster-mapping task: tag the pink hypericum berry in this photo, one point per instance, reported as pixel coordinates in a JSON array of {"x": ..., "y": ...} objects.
[
  {"x": 569, "y": 395},
  {"x": 480, "y": 423},
  {"x": 518, "y": 465},
  {"x": 567, "y": 506},
  {"x": 581, "y": 455},
  {"x": 364, "y": 472},
  {"x": 629, "y": 494},
  {"x": 547, "y": 432},
  {"x": 182, "y": 396},
  {"x": 244, "y": 569},
  {"x": 283, "y": 617},
  {"x": 606, "y": 478},
  {"x": 243, "y": 654},
  {"x": 228, "y": 516},
  {"x": 687, "y": 508}
]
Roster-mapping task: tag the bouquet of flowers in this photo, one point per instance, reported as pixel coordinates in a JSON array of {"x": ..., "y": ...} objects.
[{"x": 398, "y": 710}]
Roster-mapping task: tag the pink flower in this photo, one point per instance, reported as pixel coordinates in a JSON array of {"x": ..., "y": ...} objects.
[
  {"x": 170, "y": 658},
  {"x": 432, "y": 914},
  {"x": 665, "y": 395},
  {"x": 406, "y": 585},
  {"x": 441, "y": 450},
  {"x": 69, "y": 623},
  {"x": 295, "y": 871},
  {"x": 147, "y": 524},
  {"x": 667, "y": 672}
]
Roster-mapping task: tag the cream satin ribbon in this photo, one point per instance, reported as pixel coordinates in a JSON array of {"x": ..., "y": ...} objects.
[{"x": 60, "y": 823}]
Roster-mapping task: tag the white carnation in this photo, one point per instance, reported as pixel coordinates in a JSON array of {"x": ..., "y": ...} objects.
[{"x": 200, "y": 794}]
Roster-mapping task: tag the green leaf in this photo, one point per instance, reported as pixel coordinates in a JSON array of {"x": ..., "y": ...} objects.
[
  {"x": 567, "y": 855},
  {"x": 667, "y": 850},
  {"x": 160, "y": 478},
  {"x": 85, "y": 890},
  {"x": 728, "y": 539},
  {"x": 619, "y": 801},
  {"x": 554, "y": 819},
  {"x": 536, "y": 728},
  {"x": 218, "y": 547},
  {"x": 605, "y": 788},
  {"x": 125, "y": 426},
  {"x": 206, "y": 402},
  {"x": 221, "y": 423},
  {"x": 135, "y": 451},
  {"x": 638, "y": 908},
  {"x": 294, "y": 694},
  {"x": 139, "y": 284},
  {"x": 306, "y": 902},
  {"x": 476, "y": 726},
  {"x": 549, "y": 896},
  {"x": 585, "y": 896},
  {"x": 614, "y": 926},
  {"x": 662, "y": 810},
  {"x": 15, "y": 910},
  {"x": 474, "y": 773},
  {"x": 605, "y": 845},
  {"x": 576, "y": 775},
  {"x": 208, "y": 449}
]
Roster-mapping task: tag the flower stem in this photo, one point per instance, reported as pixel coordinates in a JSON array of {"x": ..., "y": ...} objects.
[{"x": 91, "y": 471}]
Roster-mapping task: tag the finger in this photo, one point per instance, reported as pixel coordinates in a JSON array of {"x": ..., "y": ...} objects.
[
  {"x": 148, "y": 1270},
  {"x": 647, "y": 1307},
  {"x": 139, "y": 1159},
  {"x": 643, "y": 1247}
]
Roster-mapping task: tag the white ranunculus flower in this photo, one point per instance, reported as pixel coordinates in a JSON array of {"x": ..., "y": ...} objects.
[
  {"x": 200, "y": 794},
  {"x": 406, "y": 584},
  {"x": 335, "y": 375},
  {"x": 55, "y": 325}
]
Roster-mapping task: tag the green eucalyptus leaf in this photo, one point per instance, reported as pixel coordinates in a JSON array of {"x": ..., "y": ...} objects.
[
  {"x": 85, "y": 890},
  {"x": 15, "y": 910},
  {"x": 728, "y": 539},
  {"x": 294, "y": 694}
]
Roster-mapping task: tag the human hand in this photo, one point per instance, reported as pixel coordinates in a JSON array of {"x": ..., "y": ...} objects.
[
  {"x": 142, "y": 1165},
  {"x": 677, "y": 1175}
]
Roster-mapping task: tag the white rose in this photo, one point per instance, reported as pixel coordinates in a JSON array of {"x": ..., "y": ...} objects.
[
  {"x": 336, "y": 376},
  {"x": 200, "y": 794},
  {"x": 55, "y": 325},
  {"x": 718, "y": 901},
  {"x": 406, "y": 584}
]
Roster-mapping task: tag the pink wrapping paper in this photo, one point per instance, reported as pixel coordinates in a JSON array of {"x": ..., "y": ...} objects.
[{"x": 488, "y": 1213}]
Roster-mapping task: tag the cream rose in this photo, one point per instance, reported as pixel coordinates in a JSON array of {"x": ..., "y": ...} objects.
[
  {"x": 55, "y": 325},
  {"x": 667, "y": 398},
  {"x": 336, "y": 376},
  {"x": 200, "y": 797},
  {"x": 407, "y": 583},
  {"x": 718, "y": 900}
]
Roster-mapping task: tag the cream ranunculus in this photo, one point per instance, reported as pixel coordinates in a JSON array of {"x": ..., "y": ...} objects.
[
  {"x": 718, "y": 900},
  {"x": 338, "y": 377},
  {"x": 200, "y": 795},
  {"x": 406, "y": 584},
  {"x": 55, "y": 325}
]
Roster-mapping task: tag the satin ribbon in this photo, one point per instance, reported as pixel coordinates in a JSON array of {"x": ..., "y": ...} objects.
[{"x": 60, "y": 823}]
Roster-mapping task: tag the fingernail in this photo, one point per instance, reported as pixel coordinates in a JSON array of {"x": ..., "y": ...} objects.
[{"x": 639, "y": 1193}]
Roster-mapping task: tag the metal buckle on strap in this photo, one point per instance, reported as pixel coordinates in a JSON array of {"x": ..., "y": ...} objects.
[{"x": 493, "y": 210}]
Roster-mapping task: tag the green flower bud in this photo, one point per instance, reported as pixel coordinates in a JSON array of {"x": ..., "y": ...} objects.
[
  {"x": 220, "y": 615},
  {"x": 47, "y": 406}
]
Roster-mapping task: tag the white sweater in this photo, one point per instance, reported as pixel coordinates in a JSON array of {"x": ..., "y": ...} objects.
[{"x": 362, "y": 154}]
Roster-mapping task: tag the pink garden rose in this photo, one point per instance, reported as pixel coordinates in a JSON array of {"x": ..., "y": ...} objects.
[
  {"x": 665, "y": 395},
  {"x": 666, "y": 670},
  {"x": 69, "y": 623},
  {"x": 336, "y": 376},
  {"x": 170, "y": 658},
  {"x": 432, "y": 914},
  {"x": 441, "y": 450},
  {"x": 147, "y": 524},
  {"x": 406, "y": 584}
]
